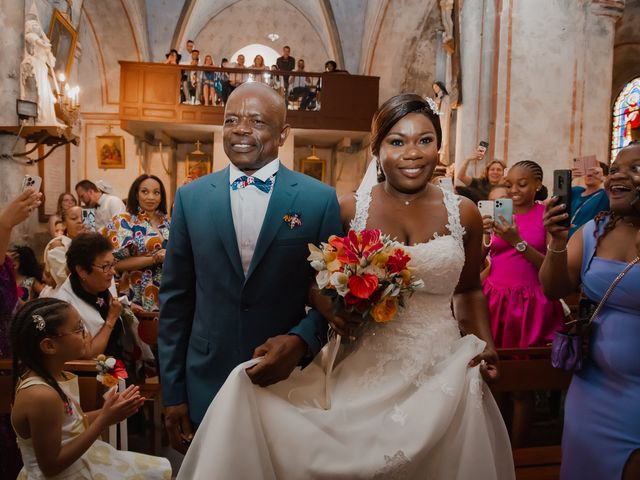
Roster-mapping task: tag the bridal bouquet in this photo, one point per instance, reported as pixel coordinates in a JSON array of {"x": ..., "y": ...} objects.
[
  {"x": 109, "y": 370},
  {"x": 364, "y": 272}
]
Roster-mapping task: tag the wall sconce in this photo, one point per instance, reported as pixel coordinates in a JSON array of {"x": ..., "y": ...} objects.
[{"x": 68, "y": 101}]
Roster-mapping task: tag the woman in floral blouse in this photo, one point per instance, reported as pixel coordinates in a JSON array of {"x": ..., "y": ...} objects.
[{"x": 139, "y": 238}]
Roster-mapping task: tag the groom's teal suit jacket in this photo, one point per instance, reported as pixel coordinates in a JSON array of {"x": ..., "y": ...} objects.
[{"x": 211, "y": 316}]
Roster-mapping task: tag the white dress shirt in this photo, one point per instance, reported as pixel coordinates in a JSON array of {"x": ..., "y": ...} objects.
[
  {"x": 248, "y": 209},
  {"x": 108, "y": 206}
]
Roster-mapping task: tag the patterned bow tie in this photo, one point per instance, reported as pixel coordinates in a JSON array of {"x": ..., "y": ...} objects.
[{"x": 245, "y": 181}]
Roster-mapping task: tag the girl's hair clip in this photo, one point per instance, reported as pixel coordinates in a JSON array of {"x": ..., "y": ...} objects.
[
  {"x": 432, "y": 105},
  {"x": 39, "y": 322}
]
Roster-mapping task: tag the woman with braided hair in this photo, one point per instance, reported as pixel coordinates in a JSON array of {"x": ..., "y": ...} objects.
[
  {"x": 521, "y": 315},
  {"x": 601, "y": 436}
]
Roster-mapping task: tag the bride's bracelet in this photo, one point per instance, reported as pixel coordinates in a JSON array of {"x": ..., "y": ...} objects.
[{"x": 551, "y": 250}]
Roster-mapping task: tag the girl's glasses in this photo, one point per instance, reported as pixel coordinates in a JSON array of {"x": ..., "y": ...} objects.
[{"x": 78, "y": 331}]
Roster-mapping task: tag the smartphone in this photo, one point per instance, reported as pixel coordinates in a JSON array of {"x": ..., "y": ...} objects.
[
  {"x": 89, "y": 218},
  {"x": 446, "y": 183},
  {"x": 562, "y": 190},
  {"x": 504, "y": 207},
  {"x": 33, "y": 181},
  {"x": 486, "y": 208},
  {"x": 483, "y": 146},
  {"x": 581, "y": 165}
]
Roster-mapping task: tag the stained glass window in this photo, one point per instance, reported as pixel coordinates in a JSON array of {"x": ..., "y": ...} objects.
[{"x": 626, "y": 115}]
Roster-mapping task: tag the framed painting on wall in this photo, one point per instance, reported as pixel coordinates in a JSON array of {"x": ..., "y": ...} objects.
[
  {"x": 63, "y": 39},
  {"x": 198, "y": 165},
  {"x": 314, "y": 167},
  {"x": 110, "y": 151}
]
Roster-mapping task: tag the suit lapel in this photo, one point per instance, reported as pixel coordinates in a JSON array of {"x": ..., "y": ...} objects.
[
  {"x": 284, "y": 193},
  {"x": 223, "y": 219}
]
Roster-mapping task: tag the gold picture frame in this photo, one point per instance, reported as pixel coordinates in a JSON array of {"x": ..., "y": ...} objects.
[
  {"x": 314, "y": 167},
  {"x": 63, "y": 38},
  {"x": 110, "y": 151}
]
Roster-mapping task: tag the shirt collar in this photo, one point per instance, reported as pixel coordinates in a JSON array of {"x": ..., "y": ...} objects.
[{"x": 264, "y": 173}]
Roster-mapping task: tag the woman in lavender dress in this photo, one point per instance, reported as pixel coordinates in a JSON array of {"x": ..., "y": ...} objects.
[{"x": 601, "y": 437}]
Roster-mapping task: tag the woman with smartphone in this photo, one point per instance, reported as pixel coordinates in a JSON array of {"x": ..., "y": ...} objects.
[
  {"x": 477, "y": 189},
  {"x": 601, "y": 433},
  {"x": 521, "y": 315}
]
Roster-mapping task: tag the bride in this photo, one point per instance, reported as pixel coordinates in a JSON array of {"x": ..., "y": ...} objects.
[{"x": 405, "y": 399}]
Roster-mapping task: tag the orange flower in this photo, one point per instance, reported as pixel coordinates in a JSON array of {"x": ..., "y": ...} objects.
[
  {"x": 109, "y": 380},
  {"x": 385, "y": 310}
]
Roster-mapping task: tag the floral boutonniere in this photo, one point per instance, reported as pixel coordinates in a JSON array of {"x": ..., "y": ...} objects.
[
  {"x": 109, "y": 370},
  {"x": 293, "y": 219},
  {"x": 100, "y": 302}
]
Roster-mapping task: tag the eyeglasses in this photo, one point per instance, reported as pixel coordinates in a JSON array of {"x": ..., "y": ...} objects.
[
  {"x": 78, "y": 331},
  {"x": 106, "y": 267}
]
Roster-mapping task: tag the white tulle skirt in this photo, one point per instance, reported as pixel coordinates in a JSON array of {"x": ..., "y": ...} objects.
[{"x": 342, "y": 419}]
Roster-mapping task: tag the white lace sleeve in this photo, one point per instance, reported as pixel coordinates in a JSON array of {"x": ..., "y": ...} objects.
[
  {"x": 452, "y": 202},
  {"x": 363, "y": 199}
]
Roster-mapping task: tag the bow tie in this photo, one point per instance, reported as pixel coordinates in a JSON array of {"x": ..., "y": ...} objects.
[{"x": 245, "y": 181}]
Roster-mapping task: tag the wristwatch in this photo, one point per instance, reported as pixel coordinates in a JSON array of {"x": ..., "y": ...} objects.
[{"x": 521, "y": 246}]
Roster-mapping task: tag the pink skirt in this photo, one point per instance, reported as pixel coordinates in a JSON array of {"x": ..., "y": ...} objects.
[{"x": 522, "y": 316}]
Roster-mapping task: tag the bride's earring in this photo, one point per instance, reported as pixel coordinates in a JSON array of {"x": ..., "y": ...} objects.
[{"x": 379, "y": 168}]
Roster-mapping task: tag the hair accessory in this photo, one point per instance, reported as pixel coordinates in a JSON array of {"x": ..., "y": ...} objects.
[
  {"x": 432, "y": 105},
  {"x": 39, "y": 322}
]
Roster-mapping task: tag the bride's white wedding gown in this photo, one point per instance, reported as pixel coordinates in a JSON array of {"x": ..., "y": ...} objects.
[{"x": 397, "y": 403}]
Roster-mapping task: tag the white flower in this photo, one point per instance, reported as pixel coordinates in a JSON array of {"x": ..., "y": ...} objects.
[
  {"x": 322, "y": 278},
  {"x": 315, "y": 254},
  {"x": 110, "y": 362},
  {"x": 318, "y": 265},
  {"x": 340, "y": 282}
]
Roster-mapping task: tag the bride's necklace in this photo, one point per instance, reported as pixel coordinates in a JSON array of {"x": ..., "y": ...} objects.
[{"x": 407, "y": 202}]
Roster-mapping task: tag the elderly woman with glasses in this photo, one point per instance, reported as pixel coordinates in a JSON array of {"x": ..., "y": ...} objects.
[{"x": 90, "y": 289}]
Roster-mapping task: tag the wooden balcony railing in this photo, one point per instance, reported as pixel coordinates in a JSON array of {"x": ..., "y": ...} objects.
[{"x": 150, "y": 92}]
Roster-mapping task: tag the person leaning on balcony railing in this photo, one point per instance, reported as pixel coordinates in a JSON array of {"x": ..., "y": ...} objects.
[
  {"x": 301, "y": 87},
  {"x": 192, "y": 87},
  {"x": 258, "y": 64},
  {"x": 173, "y": 57},
  {"x": 275, "y": 81},
  {"x": 209, "y": 78}
]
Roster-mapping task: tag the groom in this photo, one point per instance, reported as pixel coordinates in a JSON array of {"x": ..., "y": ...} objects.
[{"x": 235, "y": 281}]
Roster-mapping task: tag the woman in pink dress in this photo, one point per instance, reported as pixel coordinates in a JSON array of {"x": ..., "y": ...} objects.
[{"x": 521, "y": 315}]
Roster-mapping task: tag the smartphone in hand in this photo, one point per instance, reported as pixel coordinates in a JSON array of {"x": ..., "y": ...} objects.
[
  {"x": 503, "y": 208},
  {"x": 562, "y": 190},
  {"x": 33, "y": 181},
  {"x": 482, "y": 148},
  {"x": 486, "y": 208}
]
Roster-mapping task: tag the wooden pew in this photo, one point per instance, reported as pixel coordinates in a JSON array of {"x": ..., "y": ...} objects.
[
  {"x": 526, "y": 370},
  {"x": 148, "y": 331}
]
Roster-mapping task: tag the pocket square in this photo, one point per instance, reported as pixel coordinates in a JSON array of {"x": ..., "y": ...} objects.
[{"x": 293, "y": 219}]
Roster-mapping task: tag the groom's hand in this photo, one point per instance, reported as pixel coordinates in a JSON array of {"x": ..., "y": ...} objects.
[
  {"x": 281, "y": 355},
  {"x": 179, "y": 428}
]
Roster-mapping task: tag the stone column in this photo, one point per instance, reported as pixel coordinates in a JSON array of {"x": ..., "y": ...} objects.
[
  {"x": 11, "y": 172},
  {"x": 540, "y": 88},
  {"x": 478, "y": 21}
]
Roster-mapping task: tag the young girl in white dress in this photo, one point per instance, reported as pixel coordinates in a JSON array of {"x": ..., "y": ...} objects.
[
  {"x": 405, "y": 399},
  {"x": 57, "y": 439}
]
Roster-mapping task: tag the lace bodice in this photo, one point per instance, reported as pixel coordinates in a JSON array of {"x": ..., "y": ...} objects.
[{"x": 425, "y": 329}]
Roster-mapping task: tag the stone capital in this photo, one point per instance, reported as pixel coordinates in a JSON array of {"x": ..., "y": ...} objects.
[{"x": 608, "y": 8}]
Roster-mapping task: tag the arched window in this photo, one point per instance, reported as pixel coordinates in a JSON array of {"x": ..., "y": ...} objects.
[
  {"x": 250, "y": 51},
  {"x": 626, "y": 115}
]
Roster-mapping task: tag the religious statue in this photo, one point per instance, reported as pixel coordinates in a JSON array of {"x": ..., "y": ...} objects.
[
  {"x": 37, "y": 63},
  {"x": 446, "y": 11},
  {"x": 444, "y": 108}
]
